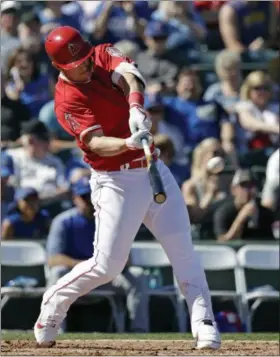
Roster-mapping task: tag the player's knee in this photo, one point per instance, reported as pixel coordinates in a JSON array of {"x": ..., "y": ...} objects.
[{"x": 109, "y": 268}]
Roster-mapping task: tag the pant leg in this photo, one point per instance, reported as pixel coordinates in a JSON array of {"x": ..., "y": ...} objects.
[
  {"x": 121, "y": 201},
  {"x": 55, "y": 273},
  {"x": 170, "y": 224},
  {"x": 133, "y": 283}
]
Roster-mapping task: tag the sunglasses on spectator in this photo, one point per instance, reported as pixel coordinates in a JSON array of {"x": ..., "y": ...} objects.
[{"x": 262, "y": 87}]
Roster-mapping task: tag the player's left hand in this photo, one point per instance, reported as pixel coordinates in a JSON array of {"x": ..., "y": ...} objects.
[{"x": 139, "y": 119}]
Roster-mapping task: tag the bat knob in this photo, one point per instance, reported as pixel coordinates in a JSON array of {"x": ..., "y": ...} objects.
[{"x": 160, "y": 198}]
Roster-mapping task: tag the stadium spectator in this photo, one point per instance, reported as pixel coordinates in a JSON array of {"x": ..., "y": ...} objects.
[
  {"x": 167, "y": 122},
  {"x": 186, "y": 26},
  {"x": 202, "y": 192},
  {"x": 128, "y": 48},
  {"x": 88, "y": 10},
  {"x": 256, "y": 115},
  {"x": 242, "y": 216},
  {"x": 35, "y": 166},
  {"x": 13, "y": 114},
  {"x": 121, "y": 20},
  {"x": 156, "y": 62},
  {"x": 27, "y": 83},
  {"x": 159, "y": 72},
  {"x": 167, "y": 155},
  {"x": 7, "y": 191},
  {"x": 226, "y": 91},
  {"x": 248, "y": 25},
  {"x": 203, "y": 119},
  {"x": 271, "y": 189},
  {"x": 166, "y": 147},
  {"x": 25, "y": 219},
  {"x": 29, "y": 32},
  {"x": 209, "y": 11},
  {"x": 70, "y": 241},
  {"x": 76, "y": 167},
  {"x": 57, "y": 13},
  {"x": 60, "y": 139},
  {"x": 9, "y": 38}
]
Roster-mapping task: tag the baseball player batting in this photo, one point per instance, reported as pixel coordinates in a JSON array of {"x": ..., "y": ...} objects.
[{"x": 99, "y": 100}]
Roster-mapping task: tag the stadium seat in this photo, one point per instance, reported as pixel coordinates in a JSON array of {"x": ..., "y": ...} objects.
[
  {"x": 22, "y": 258},
  {"x": 259, "y": 276},
  {"x": 221, "y": 269},
  {"x": 28, "y": 259},
  {"x": 151, "y": 255}
]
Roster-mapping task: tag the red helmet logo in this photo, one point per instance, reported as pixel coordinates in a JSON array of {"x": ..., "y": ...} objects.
[{"x": 73, "y": 49}]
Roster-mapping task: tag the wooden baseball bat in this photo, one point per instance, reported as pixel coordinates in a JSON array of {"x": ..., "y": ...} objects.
[{"x": 155, "y": 179}]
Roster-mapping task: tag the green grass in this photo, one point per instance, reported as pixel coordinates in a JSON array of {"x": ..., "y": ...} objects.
[{"x": 18, "y": 335}]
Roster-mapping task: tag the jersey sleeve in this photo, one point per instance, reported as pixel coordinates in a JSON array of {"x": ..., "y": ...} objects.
[
  {"x": 77, "y": 119},
  {"x": 117, "y": 63}
]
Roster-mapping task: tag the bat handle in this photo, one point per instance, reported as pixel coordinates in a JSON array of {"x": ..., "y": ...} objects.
[{"x": 146, "y": 147}]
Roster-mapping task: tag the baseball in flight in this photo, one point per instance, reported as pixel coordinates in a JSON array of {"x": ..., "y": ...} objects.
[{"x": 216, "y": 164}]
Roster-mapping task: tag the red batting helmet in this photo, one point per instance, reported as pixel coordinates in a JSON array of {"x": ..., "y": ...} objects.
[{"x": 67, "y": 48}]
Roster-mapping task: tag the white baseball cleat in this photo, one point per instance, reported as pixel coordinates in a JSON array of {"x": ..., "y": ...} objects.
[
  {"x": 208, "y": 336},
  {"x": 45, "y": 333}
]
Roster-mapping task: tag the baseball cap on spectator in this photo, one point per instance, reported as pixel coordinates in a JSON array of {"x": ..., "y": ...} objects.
[
  {"x": 242, "y": 176},
  {"x": 81, "y": 187},
  {"x": 24, "y": 192},
  {"x": 7, "y": 165},
  {"x": 9, "y": 6},
  {"x": 37, "y": 128},
  {"x": 153, "y": 101},
  {"x": 157, "y": 29}
]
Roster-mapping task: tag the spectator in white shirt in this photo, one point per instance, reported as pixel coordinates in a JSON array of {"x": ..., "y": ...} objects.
[
  {"x": 257, "y": 115},
  {"x": 35, "y": 166}
]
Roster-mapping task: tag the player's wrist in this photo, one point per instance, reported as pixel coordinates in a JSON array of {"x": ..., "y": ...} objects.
[
  {"x": 129, "y": 144},
  {"x": 135, "y": 99}
]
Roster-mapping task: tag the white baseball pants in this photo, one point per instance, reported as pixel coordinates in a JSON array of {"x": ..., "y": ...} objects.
[{"x": 123, "y": 200}]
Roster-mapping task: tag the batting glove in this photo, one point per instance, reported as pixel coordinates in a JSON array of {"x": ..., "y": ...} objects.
[
  {"x": 134, "y": 142},
  {"x": 139, "y": 119}
]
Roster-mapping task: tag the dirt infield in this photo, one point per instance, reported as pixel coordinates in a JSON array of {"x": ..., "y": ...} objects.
[{"x": 137, "y": 348}]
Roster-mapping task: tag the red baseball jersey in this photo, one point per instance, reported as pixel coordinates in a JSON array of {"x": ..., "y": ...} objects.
[{"x": 99, "y": 104}]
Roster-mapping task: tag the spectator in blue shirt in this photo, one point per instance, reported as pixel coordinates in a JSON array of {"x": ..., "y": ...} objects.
[
  {"x": 120, "y": 20},
  {"x": 26, "y": 219},
  {"x": 70, "y": 242},
  {"x": 7, "y": 191},
  {"x": 203, "y": 119},
  {"x": 187, "y": 27}
]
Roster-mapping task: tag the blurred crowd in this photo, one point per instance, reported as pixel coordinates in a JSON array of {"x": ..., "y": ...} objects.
[{"x": 212, "y": 71}]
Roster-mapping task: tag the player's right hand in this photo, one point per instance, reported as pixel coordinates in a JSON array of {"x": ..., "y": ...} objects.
[{"x": 134, "y": 142}]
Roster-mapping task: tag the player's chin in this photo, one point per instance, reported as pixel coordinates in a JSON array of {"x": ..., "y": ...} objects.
[{"x": 86, "y": 76}]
